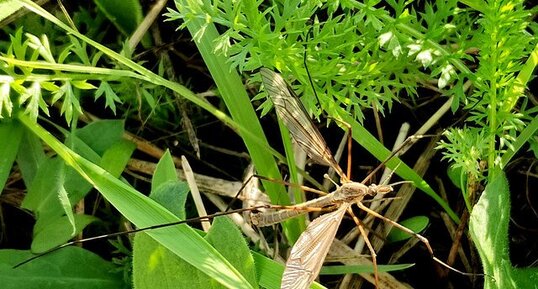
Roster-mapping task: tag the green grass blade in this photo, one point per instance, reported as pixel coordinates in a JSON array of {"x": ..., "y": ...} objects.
[
  {"x": 144, "y": 212},
  {"x": 270, "y": 272},
  {"x": 230, "y": 86},
  {"x": 240, "y": 107},
  {"x": 350, "y": 269}
]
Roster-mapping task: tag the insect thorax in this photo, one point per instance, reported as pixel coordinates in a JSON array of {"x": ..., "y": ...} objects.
[{"x": 352, "y": 192}]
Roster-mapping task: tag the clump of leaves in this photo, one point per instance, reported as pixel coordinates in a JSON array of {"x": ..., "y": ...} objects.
[
  {"x": 38, "y": 73},
  {"x": 496, "y": 111},
  {"x": 361, "y": 56}
]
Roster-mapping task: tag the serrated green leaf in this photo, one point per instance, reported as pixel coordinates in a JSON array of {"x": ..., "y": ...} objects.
[
  {"x": 6, "y": 105},
  {"x": 83, "y": 84},
  {"x": 50, "y": 86},
  {"x": 34, "y": 100},
  {"x": 110, "y": 96}
]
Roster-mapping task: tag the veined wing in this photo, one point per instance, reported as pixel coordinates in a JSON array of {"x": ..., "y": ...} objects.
[
  {"x": 292, "y": 112},
  {"x": 309, "y": 251}
]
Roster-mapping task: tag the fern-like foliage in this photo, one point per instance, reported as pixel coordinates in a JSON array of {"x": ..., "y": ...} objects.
[
  {"x": 496, "y": 109},
  {"x": 36, "y": 73},
  {"x": 362, "y": 56}
]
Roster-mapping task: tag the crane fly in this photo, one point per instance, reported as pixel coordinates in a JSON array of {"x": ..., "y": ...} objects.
[{"x": 308, "y": 253}]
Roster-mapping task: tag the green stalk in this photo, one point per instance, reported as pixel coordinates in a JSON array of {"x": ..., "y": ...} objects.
[{"x": 238, "y": 103}]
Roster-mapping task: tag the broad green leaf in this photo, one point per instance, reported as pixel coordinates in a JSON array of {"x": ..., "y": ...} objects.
[
  {"x": 116, "y": 157},
  {"x": 228, "y": 240},
  {"x": 416, "y": 224},
  {"x": 144, "y": 212},
  {"x": 154, "y": 266},
  {"x": 71, "y": 267},
  {"x": 101, "y": 135},
  {"x": 58, "y": 231},
  {"x": 126, "y": 15},
  {"x": 42, "y": 196},
  {"x": 456, "y": 176},
  {"x": 30, "y": 157},
  {"x": 488, "y": 226}
]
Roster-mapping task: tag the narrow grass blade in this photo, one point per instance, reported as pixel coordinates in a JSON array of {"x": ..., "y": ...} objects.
[{"x": 143, "y": 212}]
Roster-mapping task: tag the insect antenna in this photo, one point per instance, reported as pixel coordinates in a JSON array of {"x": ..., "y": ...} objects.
[{"x": 314, "y": 91}]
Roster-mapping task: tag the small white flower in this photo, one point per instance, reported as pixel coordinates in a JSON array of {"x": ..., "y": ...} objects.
[
  {"x": 425, "y": 57},
  {"x": 446, "y": 75},
  {"x": 384, "y": 38},
  {"x": 414, "y": 48}
]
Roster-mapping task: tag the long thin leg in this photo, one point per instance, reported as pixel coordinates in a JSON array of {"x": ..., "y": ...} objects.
[
  {"x": 304, "y": 188},
  {"x": 349, "y": 133},
  {"x": 400, "y": 150},
  {"x": 370, "y": 247},
  {"x": 416, "y": 235},
  {"x": 349, "y": 143}
]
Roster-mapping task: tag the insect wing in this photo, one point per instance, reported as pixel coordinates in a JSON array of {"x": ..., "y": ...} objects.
[
  {"x": 292, "y": 112},
  {"x": 309, "y": 251}
]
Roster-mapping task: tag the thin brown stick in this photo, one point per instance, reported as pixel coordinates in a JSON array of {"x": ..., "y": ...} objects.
[
  {"x": 456, "y": 243},
  {"x": 195, "y": 193}
]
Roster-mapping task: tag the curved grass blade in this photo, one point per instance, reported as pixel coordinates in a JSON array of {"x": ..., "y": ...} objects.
[{"x": 144, "y": 212}]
